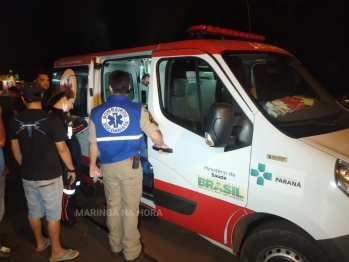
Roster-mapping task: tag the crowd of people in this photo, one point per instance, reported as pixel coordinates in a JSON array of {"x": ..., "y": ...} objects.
[{"x": 42, "y": 128}]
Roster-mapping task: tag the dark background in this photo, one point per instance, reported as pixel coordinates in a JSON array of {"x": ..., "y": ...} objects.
[{"x": 35, "y": 33}]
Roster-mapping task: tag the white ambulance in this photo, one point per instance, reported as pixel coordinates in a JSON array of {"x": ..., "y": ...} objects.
[{"x": 260, "y": 162}]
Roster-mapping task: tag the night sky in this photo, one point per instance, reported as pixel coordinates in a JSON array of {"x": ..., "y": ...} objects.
[{"x": 35, "y": 33}]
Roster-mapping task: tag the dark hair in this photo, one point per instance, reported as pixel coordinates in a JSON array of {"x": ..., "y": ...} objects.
[
  {"x": 68, "y": 93},
  {"x": 15, "y": 90},
  {"x": 37, "y": 98},
  {"x": 119, "y": 81},
  {"x": 40, "y": 72},
  {"x": 145, "y": 76}
]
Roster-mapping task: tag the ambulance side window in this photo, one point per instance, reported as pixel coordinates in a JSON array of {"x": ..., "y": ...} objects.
[
  {"x": 188, "y": 87},
  {"x": 136, "y": 67}
]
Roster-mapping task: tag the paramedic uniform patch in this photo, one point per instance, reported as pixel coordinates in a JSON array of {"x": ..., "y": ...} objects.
[{"x": 115, "y": 120}]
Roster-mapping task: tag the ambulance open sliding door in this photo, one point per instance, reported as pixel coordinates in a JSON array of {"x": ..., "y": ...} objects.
[{"x": 197, "y": 183}]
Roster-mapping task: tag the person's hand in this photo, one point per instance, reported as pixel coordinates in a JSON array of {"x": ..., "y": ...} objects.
[
  {"x": 71, "y": 176},
  {"x": 87, "y": 119},
  {"x": 95, "y": 172},
  {"x": 161, "y": 146}
]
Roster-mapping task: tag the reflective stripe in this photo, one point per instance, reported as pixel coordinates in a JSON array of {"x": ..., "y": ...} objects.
[
  {"x": 113, "y": 138},
  {"x": 78, "y": 183},
  {"x": 68, "y": 192}
]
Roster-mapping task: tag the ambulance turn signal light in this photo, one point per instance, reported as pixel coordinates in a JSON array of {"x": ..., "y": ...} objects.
[
  {"x": 342, "y": 175},
  {"x": 214, "y": 30}
]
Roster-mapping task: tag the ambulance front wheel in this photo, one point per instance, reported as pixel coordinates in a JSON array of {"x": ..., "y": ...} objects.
[{"x": 282, "y": 242}]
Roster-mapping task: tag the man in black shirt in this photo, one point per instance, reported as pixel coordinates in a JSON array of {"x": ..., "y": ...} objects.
[
  {"x": 17, "y": 104},
  {"x": 37, "y": 141}
]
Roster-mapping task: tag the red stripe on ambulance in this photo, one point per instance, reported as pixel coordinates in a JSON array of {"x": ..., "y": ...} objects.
[{"x": 210, "y": 217}]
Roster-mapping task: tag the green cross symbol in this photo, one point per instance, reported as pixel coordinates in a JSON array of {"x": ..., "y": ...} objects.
[{"x": 265, "y": 175}]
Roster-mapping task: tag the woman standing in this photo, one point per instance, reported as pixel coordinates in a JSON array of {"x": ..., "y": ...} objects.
[{"x": 60, "y": 105}]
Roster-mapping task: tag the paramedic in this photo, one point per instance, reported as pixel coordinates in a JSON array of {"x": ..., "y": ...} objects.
[
  {"x": 115, "y": 130},
  {"x": 37, "y": 142},
  {"x": 60, "y": 105}
]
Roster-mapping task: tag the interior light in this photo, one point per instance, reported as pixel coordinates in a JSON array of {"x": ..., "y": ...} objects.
[{"x": 224, "y": 32}]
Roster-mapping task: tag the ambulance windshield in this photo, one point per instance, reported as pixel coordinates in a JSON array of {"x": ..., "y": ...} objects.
[{"x": 287, "y": 93}]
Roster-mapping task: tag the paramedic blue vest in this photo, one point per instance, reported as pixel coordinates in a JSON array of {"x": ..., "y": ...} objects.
[{"x": 118, "y": 131}]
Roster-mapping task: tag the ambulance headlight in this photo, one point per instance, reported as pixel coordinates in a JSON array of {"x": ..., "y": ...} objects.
[{"x": 342, "y": 175}]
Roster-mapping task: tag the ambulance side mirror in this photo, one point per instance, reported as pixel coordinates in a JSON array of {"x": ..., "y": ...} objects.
[{"x": 219, "y": 125}]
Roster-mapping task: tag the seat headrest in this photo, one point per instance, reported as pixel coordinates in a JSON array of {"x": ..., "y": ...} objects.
[
  {"x": 179, "y": 87},
  {"x": 208, "y": 86}
]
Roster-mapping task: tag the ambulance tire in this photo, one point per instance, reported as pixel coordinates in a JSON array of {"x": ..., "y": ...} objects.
[
  {"x": 282, "y": 242},
  {"x": 87, "y": 190}
]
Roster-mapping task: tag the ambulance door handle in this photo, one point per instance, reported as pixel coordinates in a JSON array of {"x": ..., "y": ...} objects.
[
  {"x": 91, "y": 91},
  {"x": 165, "y": 150}
]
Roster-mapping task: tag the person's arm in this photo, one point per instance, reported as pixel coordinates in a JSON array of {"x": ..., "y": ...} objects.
[
  {"x": 93, "y": 154},
  {"x": 2, "y": 130},
  {"x": 151, "y": 130},
  {"x": 157, "y": 139},
  {"x": 93, "y": 150},
  {"x": 66, "y": 158},
  {"x": 79, "y": 124},
  {"x": 16, "y": 151}
]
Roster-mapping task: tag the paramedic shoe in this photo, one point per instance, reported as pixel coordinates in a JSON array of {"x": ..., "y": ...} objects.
[
  {"x": 117, "y": 254},
  {"x": 69, "y": 223},
  {"x": 139, "y": 258},
  {"x": 6, "y": 252}
]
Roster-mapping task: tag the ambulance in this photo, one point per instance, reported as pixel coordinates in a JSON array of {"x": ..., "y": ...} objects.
[{"x": 260, "y": 162}]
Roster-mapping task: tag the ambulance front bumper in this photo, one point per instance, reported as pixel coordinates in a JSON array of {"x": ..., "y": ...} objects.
[{"x": 337, "y": 248}]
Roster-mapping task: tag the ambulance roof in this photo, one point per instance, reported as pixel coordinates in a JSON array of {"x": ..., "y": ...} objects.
[
  {"x": 210, "y": 46},
  {"x": 214, "y": 46}
]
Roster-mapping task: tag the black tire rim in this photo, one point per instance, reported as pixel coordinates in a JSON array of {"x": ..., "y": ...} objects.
[{"x": 280, "y": 254}]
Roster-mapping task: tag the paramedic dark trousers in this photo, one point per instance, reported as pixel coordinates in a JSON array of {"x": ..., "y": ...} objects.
[
  {"x": 68, "y": 204},
  {"x": 69, "y": 192},
  {"x": 123, "y": 191}
]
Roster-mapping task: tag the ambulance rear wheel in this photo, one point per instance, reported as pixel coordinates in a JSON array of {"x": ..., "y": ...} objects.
[{"x": 280, "y": 241}]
